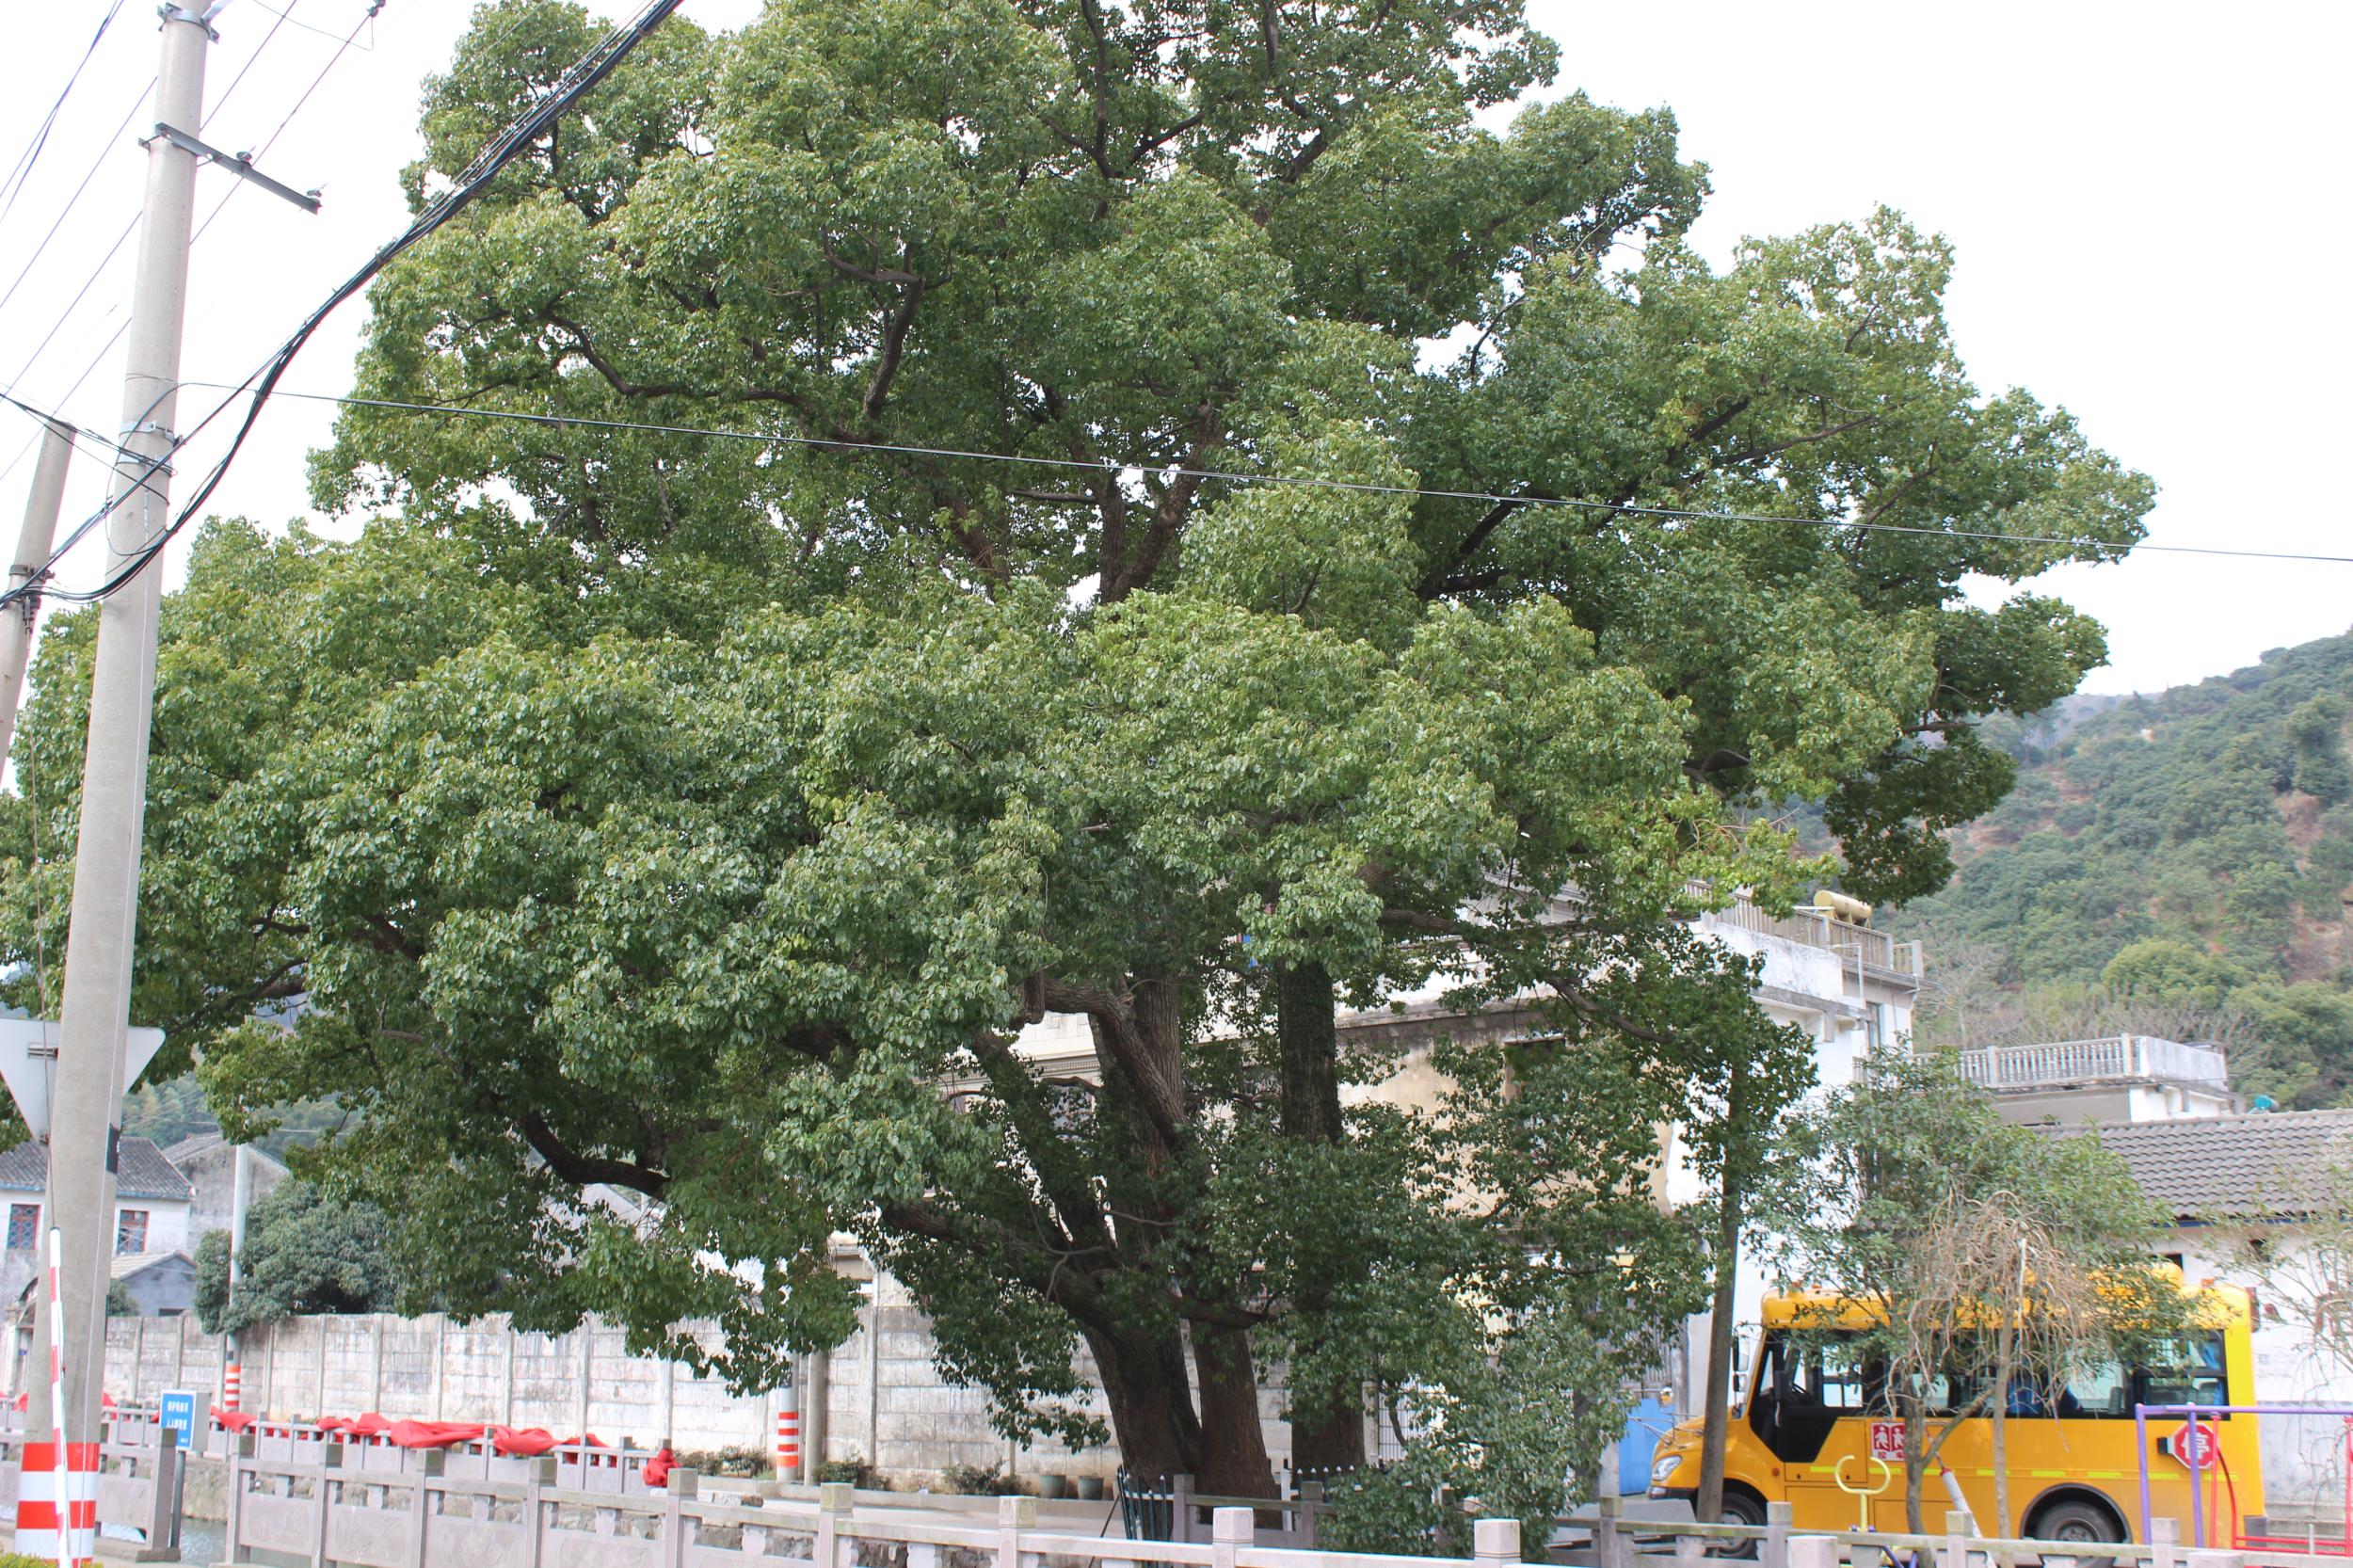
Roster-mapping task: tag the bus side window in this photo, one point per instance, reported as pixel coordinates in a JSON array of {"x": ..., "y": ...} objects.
[{"x": 2187, "y": 1371}]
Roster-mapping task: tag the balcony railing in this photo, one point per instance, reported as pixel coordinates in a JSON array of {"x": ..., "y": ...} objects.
[
  {"x": 2118, "y": 1057},
  {"x": 1813, "y": 928}
]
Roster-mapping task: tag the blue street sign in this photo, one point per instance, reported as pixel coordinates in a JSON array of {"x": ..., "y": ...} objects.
[{"x": 179, "y": 1415}]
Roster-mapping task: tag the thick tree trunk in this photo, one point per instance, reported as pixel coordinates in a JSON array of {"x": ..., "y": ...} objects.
[
  {"x": 1152, "y": 1414},
  {"x": 1310, "y": 1043},
  {"x": 1234, "y": 1460},
  {"x": 1327, "y": 1434},
  {"x": 1716, "y": 1413}
]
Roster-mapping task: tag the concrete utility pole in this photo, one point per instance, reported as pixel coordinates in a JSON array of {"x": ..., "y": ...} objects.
[
  {"x": 240, "y": 1192},
  {"x": 32, "y": 551},
  {"x": 85, "y": 1129}
]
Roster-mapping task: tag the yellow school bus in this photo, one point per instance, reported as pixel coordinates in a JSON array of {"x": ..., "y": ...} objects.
[{"x": 1816, "y": 1415}]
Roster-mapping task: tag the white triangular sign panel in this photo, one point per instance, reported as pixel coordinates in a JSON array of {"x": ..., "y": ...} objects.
[{"x": 28, "y": 1061}]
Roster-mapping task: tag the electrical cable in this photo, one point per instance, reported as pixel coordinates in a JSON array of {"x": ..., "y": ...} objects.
[
  {"x": 287, "y": 16},
  {"x": 115, "y": 450},
  {"x": 76, "y": 197},
  {"x": 576, "y": 83},
  {"x": 251, "y": 61},
  {"x": 88, "y": 283},
  {"x": 55, "y": 326},
  {"x": 271, "y": 141},
  {"x": 26, "y": 450},
  {"x": 235, "y": 185},
  {"x": 1302, "y": 480},
  {"x": 23, "y": 172}
]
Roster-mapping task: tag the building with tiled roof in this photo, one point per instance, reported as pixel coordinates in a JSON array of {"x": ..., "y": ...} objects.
[
  {"x": 2212, "y": 1170},
  {"x": 153, "y": 1201},
  {"x": 2253, "y": 1199}
]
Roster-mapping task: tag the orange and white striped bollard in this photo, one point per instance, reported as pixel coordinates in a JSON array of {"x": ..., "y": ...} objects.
[{"x": 788, "y": 1442}]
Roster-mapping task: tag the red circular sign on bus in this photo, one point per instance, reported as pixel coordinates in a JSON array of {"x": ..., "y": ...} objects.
[{"x": 2192, "y": 1443}]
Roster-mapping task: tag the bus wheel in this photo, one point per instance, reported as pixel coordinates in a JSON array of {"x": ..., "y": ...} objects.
[
  {"x": 2075, "y": 1519},
  {"x": 1738, "y": 1508}
]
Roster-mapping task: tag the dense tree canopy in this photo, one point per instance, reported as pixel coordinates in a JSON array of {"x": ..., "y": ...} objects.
[
  {"x": 1199, "y": 531},
  {"x": 305, "y": 1252}
]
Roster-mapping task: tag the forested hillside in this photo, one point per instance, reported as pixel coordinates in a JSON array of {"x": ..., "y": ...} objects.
[
  {"x": 2186, "y": 858},
  {"x": 174, "y": 1108}
]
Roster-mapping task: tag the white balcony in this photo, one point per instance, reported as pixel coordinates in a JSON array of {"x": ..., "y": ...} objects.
[
  {"x": 1877, "y": 951},
  {"x": 2117, "y": 1059}
]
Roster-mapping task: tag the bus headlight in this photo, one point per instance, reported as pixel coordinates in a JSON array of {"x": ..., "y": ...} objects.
[{"x": 1663, "y": 1466}]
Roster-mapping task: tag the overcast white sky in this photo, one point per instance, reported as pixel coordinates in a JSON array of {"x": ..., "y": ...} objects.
[{"x": 2148, "y": 200}]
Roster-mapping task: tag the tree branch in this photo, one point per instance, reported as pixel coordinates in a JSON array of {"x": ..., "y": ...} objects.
[
  {"x": 1162, "y": 1102},
  {"x": 586, "y": 1170},
  {"x": 1168, "y": 518},
  {"x": 893, "y": 350}
]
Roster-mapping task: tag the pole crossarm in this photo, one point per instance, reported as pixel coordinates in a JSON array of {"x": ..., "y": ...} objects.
[{"x": 239, "y": 163}]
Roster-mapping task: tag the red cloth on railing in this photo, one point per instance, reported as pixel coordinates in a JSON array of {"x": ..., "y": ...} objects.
[
  {"x": 372, "y": 1424},
  {"x": 591, "y": 1441},
  {"x": 232, "y": 1421},
  {"x": 431, "y": 1434},
  {"x": 24, "y": 1399},
  {"x": 658, "y": 1468},
  {"x": 522, "y": 1443}
]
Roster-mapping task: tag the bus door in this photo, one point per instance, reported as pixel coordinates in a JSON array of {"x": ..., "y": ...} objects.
[
  {"x": 2193, "y": 1371},
  {"x": 1812, "y": 1412}
]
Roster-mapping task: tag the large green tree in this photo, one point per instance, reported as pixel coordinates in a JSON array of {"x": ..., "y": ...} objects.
[{"x": 1197, "y": 538}]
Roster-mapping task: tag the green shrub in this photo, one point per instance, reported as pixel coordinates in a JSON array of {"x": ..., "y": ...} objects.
[
  {"x": 975, "y": 1481},
  {"x": 849, "y": 1472}
]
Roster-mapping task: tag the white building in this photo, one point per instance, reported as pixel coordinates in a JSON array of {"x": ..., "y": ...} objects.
[
  {"x": 1853, "y": 989},
  {"x": 209, "y": 1163},
  {"x": 152, "y": 1209}
]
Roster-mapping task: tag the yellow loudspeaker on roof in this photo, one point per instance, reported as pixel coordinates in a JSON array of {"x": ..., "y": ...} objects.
[{"x": 1839, "y": 905}]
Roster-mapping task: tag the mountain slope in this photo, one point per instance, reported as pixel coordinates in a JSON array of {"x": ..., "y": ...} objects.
[{"x": 2189, "y": 849}]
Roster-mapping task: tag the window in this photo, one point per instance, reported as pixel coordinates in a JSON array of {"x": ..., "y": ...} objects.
[
  {"x": 1830, "y": 1375},
  {"x": 2185, "y": 1371},
  {"x": 2100, "y": 1389},
  {"x": 131, "y": 1230},
  {"x": 24, "y": 1226}
]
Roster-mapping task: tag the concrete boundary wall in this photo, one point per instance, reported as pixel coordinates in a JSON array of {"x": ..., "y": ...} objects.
[
  {"x": 877, "y": 1399},
  {"x": 434, "y": 1368}
]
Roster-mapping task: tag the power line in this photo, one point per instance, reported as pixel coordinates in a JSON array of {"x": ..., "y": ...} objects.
[
  {"x": 251, "y": 61},
  {"x": 88, "y": 283},
  {"x": 76, "y": 197},
  {"x": 77, "y": 433},
  {"x": 1302, "y": 480},
  {"x": 271, "y": 141},
  {"x": 218, "y": 103},
  {"x": 584, "y": 77},
  {"x": 95, "y": 359},
  {"x": 22, "y": 173},
  {"x": 226, "y": 197},
  {"x": 110, "y": 453},
  {"x": 287, "y": 15}
]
